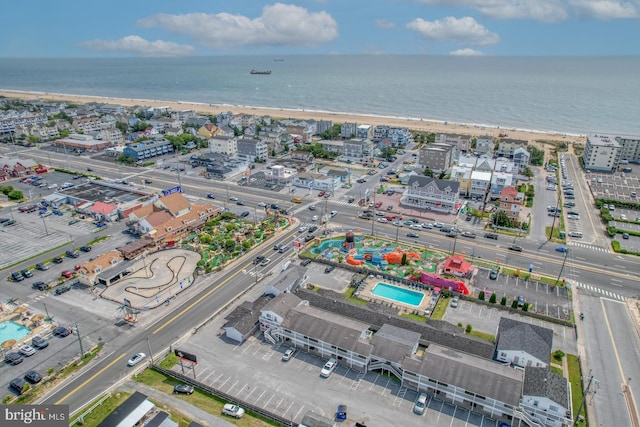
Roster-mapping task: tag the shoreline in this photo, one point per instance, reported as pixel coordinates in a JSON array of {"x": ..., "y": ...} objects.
[{"x": 413, "y": 123}]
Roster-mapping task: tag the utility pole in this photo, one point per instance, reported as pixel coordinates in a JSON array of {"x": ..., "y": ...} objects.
[
  {"x": 555, "y": 215},
  {"x": 79, "y": 340},
  {"x": 584, "y": 398},
  {"x": 566, "y": 252}
]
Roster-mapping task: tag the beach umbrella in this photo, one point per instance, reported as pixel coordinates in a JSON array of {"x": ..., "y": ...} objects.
[
  {"x": 20, "y": 309},
  {"x": 37, "y": 317},
  {"x": 8, "y": 344}
]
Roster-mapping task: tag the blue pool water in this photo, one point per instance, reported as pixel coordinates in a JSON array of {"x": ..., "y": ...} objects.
[
  {"x": 395, "y": 293},
  {"x": 12, "y": 331},
  {"x": 336, "y": 243}
]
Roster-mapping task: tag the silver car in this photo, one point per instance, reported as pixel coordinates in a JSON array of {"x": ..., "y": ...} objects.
[{"x": 421, "y": 404}]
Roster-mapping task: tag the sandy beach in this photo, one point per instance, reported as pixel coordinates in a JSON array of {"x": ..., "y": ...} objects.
[{"x": 414, "y": 124}]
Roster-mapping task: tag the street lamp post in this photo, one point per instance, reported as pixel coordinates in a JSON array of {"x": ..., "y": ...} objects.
[{"x": 46, "y": 232}]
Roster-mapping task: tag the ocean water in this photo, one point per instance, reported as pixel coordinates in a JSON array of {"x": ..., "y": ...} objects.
[{"x": 574, "y": 95}]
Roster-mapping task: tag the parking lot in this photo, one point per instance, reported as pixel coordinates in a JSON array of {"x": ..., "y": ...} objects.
[
  {"x": 254, "y": 373},
  {"x": 617, "y": 186}
]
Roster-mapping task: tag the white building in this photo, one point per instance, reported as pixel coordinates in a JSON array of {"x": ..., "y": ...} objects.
[
  {"x": 364, "y": 132},
  {"x": 523, "y": 344},
  {"x": 484, "y": 144},
  {"x": 224, "y": 144},
  {"x": 546, "y": 398},
  {"x": 438, "y": 195},
  {"x": 630, "y": 148},
  {"x": 479, "y": 184},
  {"x": 601, "y": 153},
  {"x": 348, "y": 130}
]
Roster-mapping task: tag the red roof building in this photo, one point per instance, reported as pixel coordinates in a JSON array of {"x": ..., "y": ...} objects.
[{"x": 457, "y": 266}]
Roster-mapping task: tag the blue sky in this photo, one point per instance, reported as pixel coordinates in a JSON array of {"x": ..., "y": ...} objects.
[{"x": 81, "y": 28}]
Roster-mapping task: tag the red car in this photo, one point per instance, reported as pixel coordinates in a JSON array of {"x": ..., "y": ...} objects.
[
  {"x": 68, "y": 274},
  {"x": 378, "y": 204},
  {"x": 78, "y": 267},
  {"x": 320, "y": 194}
]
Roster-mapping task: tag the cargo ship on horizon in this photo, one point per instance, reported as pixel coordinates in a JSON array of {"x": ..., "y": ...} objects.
[{"x": 254, "y": 71}]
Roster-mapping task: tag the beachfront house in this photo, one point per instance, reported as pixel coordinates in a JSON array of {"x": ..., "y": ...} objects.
[
  {"x": 440, "y": 195},
  {"x": 484, "y": 145},
  {"x": 462, "y": 143},
  {"x": 508, "y": 146}
]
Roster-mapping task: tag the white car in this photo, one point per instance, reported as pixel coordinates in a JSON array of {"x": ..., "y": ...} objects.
[
  {"x": 415, "y": 227},
  {"x": 27, "y": 350},
  {"x": 288, "y": 354},
  {"x": 262, "y": 204},
  {"x": 302, "y": 229},
  {"x": 438, "y": 224},
  {"x": 314, "y": 218},
  {"x": 382, "y": 220},
  {"x": 427, "y": 225},
  {"x": 328, "y": 368},
  {"x": 397, "y": 223},
  {"x": 421, "y": 404},
  {"x": 334, "y": 213},
  {"x": 232, "y": 410},
  {"x": 233, "y": 198},
  {"x": 136, "y": 358}
]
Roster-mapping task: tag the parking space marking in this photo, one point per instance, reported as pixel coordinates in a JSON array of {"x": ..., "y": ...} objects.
[
  {"x": 268, "y": 401},
  {"x": 207, "y": 377},
  {"x": 259, "y": 397},
  {"x": 231, "y": 388},
  {"x": 268, "y": 355},
  {"x": 298, "y": 413},
  {"x": 216, "y": 380},
  {"x": 385, "y": 387}
]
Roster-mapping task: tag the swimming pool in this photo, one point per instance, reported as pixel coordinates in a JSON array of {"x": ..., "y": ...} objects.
[
  {"x": 12, "y": 331},
  {"x": 395, "y": 293}
]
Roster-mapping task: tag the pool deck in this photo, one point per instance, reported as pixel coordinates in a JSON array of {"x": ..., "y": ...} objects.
[{"x": 371, "y": 282}]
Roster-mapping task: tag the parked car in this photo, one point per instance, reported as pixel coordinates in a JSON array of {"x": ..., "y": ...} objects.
[
  {"x": 328, "y": 368},
  {"x": 493, "y": 275},
  {"x": 305, "y": 262},
  {"x": 39, "y": 342},
  {"x": 27, "y": 273},
  {"x": 61, "y": 289},
  {"x": 42, "y": 266},
  {"x": 33, "y": 377},
  {"x": 244, "y": 214},
  {"x": 183, "y": 389},
  {"x": 329, "y": 269},
  {"x": 39, "y": 285},
  {"x": 136, "y": 358},
  {"x": 13, "y": 358},
  {"x": 520, "y": 301},
  {"x": 625, "y": 236},
  {"x": 18, "y": 385},
  {"x": 288, "y": 354},
  {"x": 67, "y": 273},
  {"x": 232, "y": 410},
  {"x": 61, "y": 331},
  {"x": 85, "y": 248},
  {"x": 421, "y": 404},
  {"x": 58, "y": 260},
  {"x": 516, "y": 248},
  {"x": 16, "y": 276},
  {"x": 454, "y": 302},
  {"x": 27, "y": 350}
]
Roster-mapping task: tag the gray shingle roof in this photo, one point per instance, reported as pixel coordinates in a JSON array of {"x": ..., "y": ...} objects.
[
  {"x": 532, "y": 339},
  {"x": 246, "y": 315},
  {"x": 543, "y": 382},
  {"x": 442, "y": 184},
  {"x": 433, "y": 331}
]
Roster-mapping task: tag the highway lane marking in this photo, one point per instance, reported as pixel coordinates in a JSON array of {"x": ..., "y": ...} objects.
[
  {"x": 90, "y": 379},
  {"x": 613, "y": 344}
]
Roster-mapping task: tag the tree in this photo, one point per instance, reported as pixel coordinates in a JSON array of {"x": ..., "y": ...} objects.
[
  {"x": 388, "y": 152},
  {"x": 468, "y": 328},
  {"x": 493, "y": 298},
  {"x": 15, "y": 195},
  {"x": 428, "y": 172},
  {"x": 64, "y": 133},
  {"x": 122, "y": 127},
  {"x": 503, "y": 301},
  {"x": 514, "y": 304},
  {"x": 139, "y": 126},
  {"x": 33, "y": 139},
  {"x": 481, "y": 296},
  {"x": 501, "y": 219},
  {"x": 537, "y": 155},
  {"x": 527, "y": 172}
]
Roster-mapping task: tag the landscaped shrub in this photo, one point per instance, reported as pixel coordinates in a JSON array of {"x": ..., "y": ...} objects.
[
  {"x": 468, "y": 328},
  {"x": 493, "y": 298},
  {"x": 503, "y": 301},
  {"x": 481, "y": 296}
]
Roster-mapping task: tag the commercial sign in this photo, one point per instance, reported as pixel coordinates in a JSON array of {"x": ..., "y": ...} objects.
[
  {"x": 34, "y": 416},
  {"x": 176, "y": 189},
  {"x": 187, "y": 356}
]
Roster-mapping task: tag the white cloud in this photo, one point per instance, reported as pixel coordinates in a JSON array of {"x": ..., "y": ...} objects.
[
  {"x": 139, "y": 46},
  {"x": 537, "y": 10},
  {"x": 464, "y": 30},
  {"x": 279, "y": 25},
  {"x": 604, "y": 9},
  {"x": 466, "y": 52},
  {"x": 385, "y": 25}
]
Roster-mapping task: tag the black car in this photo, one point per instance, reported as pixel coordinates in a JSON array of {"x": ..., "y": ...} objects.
[
  {"x": 39, "y": 285},
  {"x": 33, "y": 377},
  {"x": 493, "y": 236},
  {"x": 240, "y": 203},
  {"x": 61, "y": 331},
  {"x": 62, "y": 289},
  {"x": 516, "y": 248},
  {"x": 305, "y": 262},
  {"x": 329, "y": 269},
  {"x": 85, "y": 248},
  {"x": 58, "y": 260},
  {"x": 3, "y": 220},
  {"x": 72, "y": 254},
  {"x": 39, "y": 342},
  {"x": 413, "y": 235},
  {"x": 13, "y": 358},
  {"x": 18, "y": 385},
  {"x": 211, "y": 196},
  {"x": 309, "y": 237},
  {"x": 27, "y": 273},
  {"x": 258, "y": 259},
  {"x": 312, "y": 229},
  {"x": 244, "y": 214},
  {"x": 16, "y": 276},
  {"x": 183, "y": 389}
]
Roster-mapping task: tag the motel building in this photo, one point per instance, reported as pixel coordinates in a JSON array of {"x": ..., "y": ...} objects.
[{"x": 474, "y": 383}]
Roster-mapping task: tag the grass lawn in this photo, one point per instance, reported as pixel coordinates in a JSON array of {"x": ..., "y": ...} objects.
[
  {"x": 100, "y": 413},
  {"x": 576, "y": 383},
  {"x": 417, "y": 317},
  {"x": 349, "y": 294},
  {"x": 441, "y": 307},
  {"x": 483, "y": 335},
  {"x": 199, "y": 399},
  {"x": 557, "y": 370}
]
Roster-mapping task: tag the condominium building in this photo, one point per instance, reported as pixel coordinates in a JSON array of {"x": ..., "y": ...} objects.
[
  {"x": 348, "y": 130},
  {"x": 364, "y": 132},
  {"x": 508, "y": 146},
  {"x": 630, "y": 148},
  {"x": 601, "y": 153},
  {"x": 437, "y": 156},
  {"x": 484, "y": 144},
  {"x": 252, "y": 149},
  {"x": 148, "y": 149},
  {"x": 358, "y": 150},
  {"x": 224, "y": 144}
]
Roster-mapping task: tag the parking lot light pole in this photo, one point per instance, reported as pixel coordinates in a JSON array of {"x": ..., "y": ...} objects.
[
  {"x": 79, "y": 340},
  {"x": 46, "y": 232}
]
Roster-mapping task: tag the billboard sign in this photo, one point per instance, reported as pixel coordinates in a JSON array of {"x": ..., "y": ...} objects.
[
  {"x": 187, "y": 356},
  {"x": 176, "y": 189}
]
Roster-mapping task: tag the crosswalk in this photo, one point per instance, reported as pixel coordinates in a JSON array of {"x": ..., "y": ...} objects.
[
  {"x": 600, "y": 291},
  {"x": 586, "y": 246}
]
